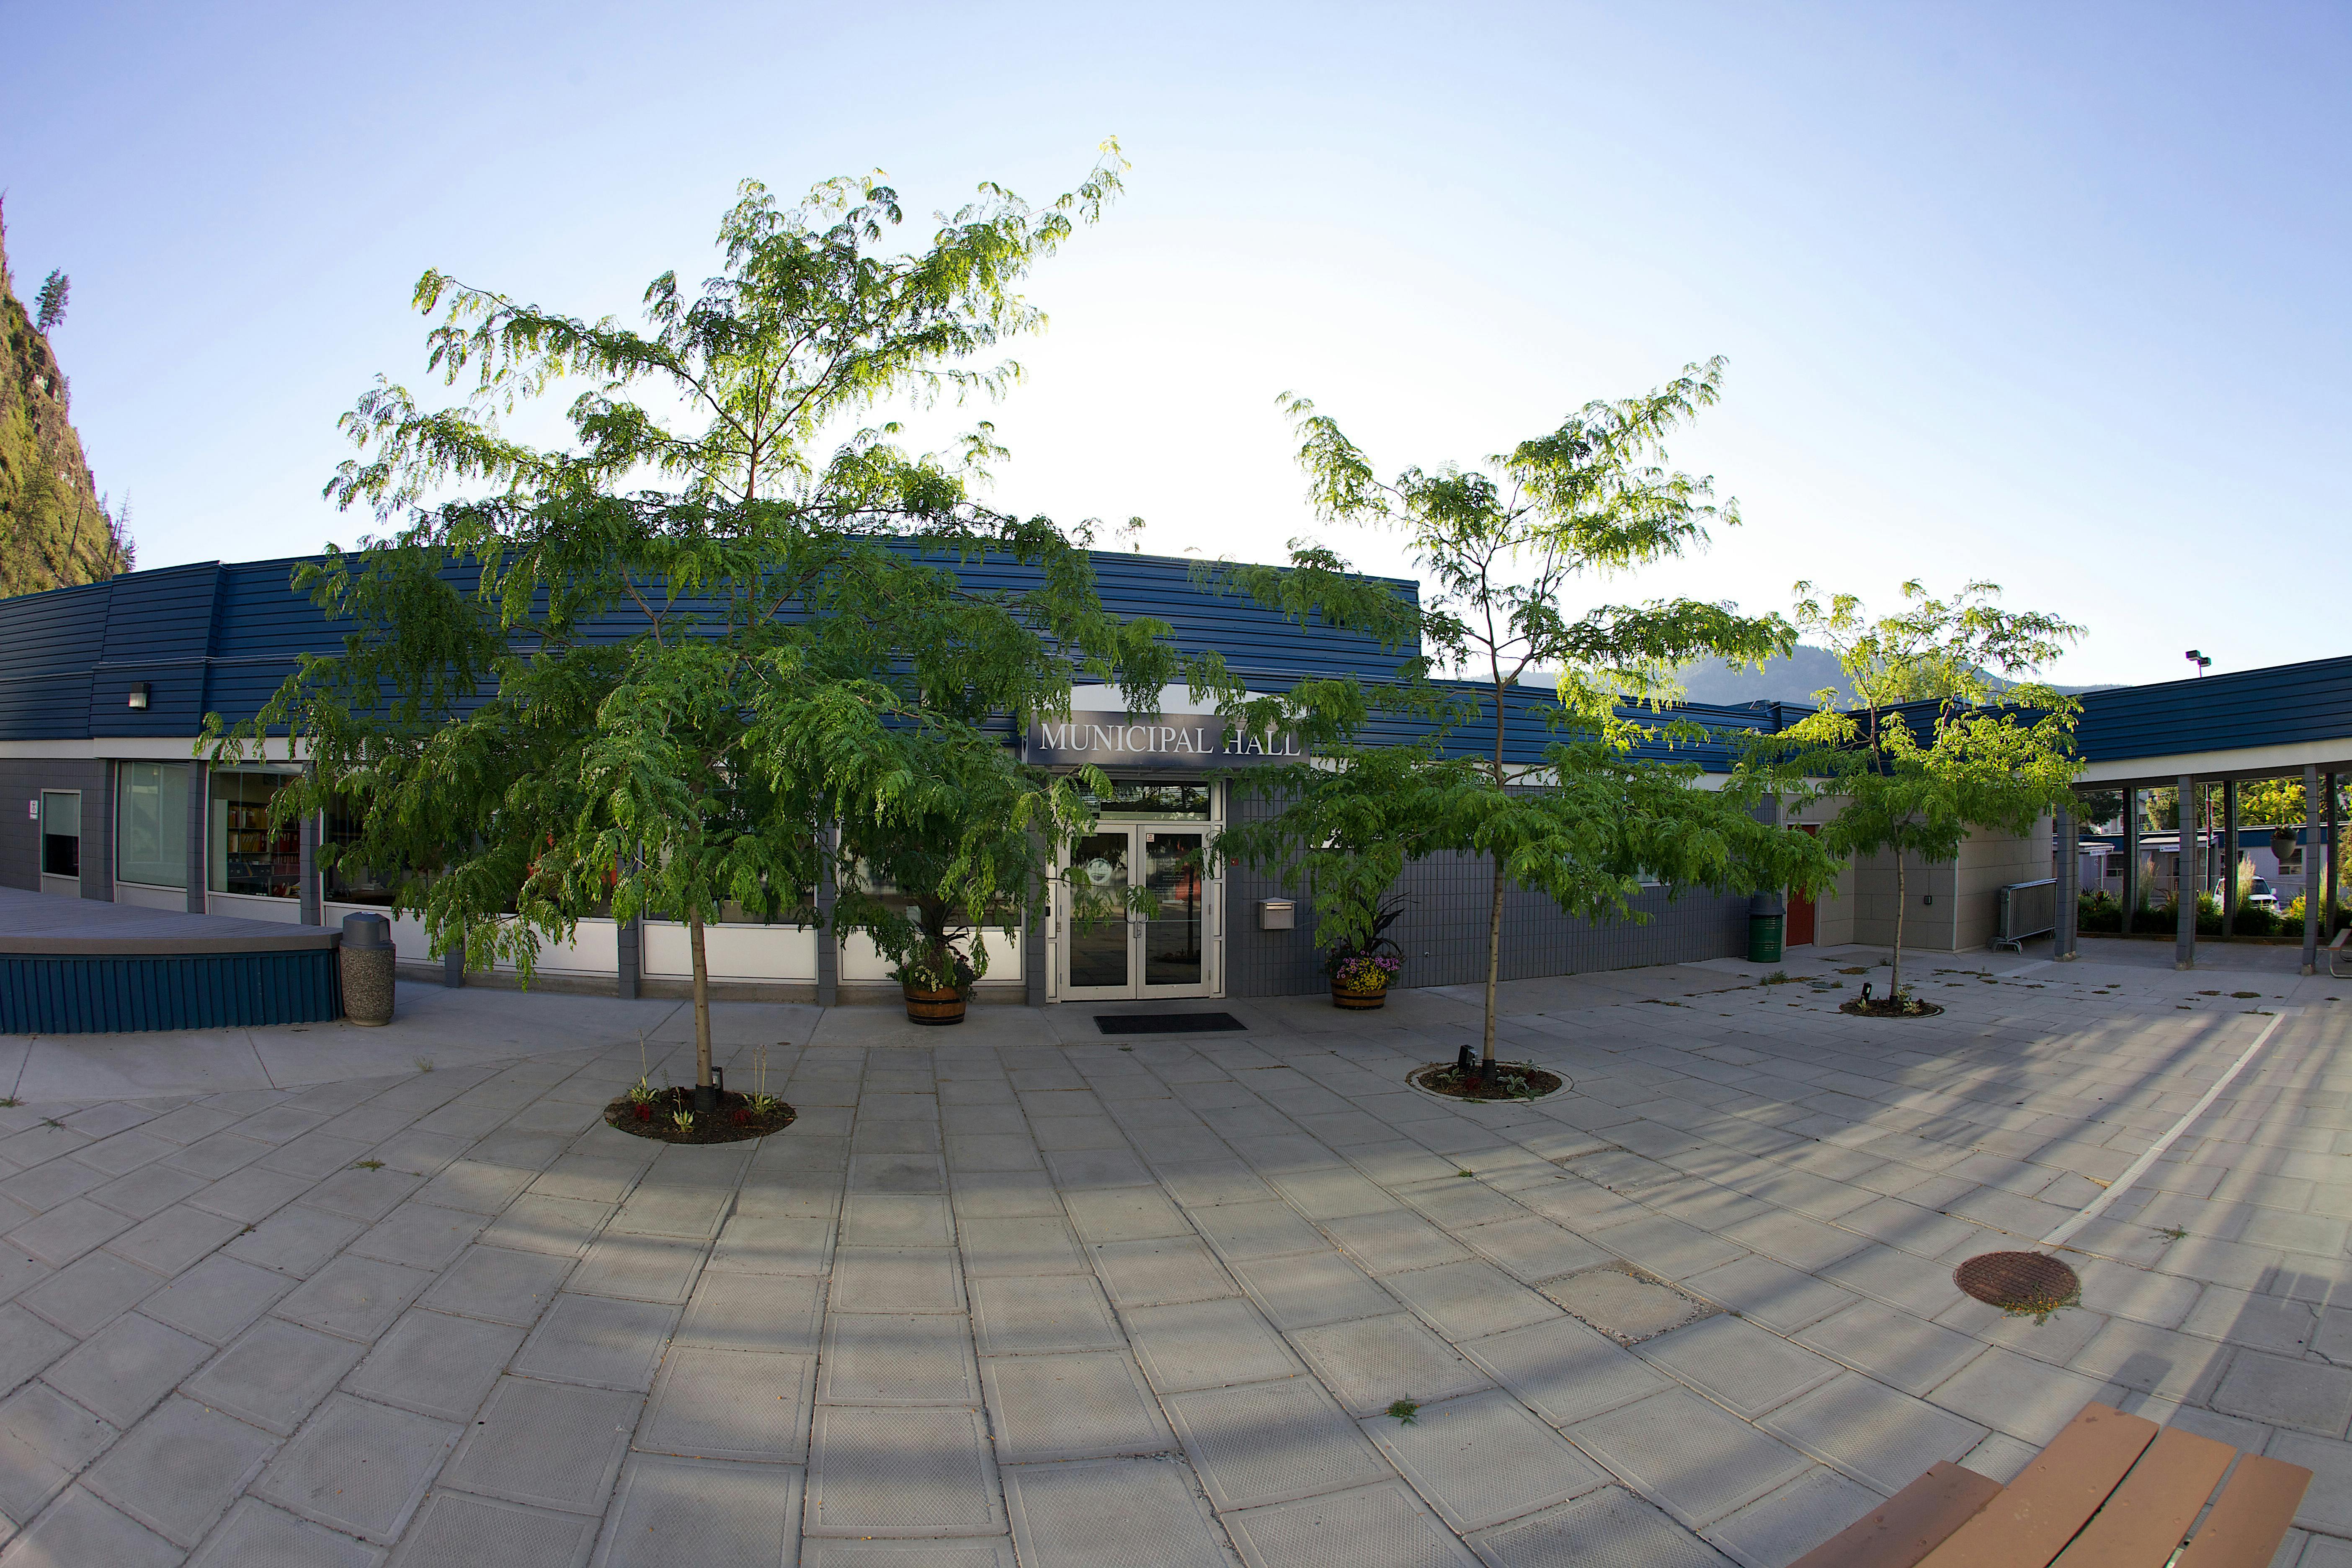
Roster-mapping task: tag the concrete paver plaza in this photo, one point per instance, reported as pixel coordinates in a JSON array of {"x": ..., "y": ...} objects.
[{"x": 1019, "y": 1293}]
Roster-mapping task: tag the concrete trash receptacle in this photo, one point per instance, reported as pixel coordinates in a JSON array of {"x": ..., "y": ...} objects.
[{"x": 365, "y": 960}]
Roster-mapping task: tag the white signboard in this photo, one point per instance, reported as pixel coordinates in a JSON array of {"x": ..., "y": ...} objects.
[{"x": 1190, "y": 741}]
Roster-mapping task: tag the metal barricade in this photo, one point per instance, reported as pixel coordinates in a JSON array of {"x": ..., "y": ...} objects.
[{"x": 2026, "y": 909}]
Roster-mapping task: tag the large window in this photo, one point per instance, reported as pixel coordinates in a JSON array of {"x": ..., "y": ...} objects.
[
  {"x": 150, "y": 834},
  {"x": 247, "y": 855},
  {"x": 61, "y": 833},
  {"x": 348, "y": 881}
]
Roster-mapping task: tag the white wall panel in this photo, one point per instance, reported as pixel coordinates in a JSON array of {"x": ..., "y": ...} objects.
[
  {"x": 139, "y": 896},
  {"x": 246, "y": 906},
  {"x": 732, "y": 952},
  {"x": 859, "y": 961}
]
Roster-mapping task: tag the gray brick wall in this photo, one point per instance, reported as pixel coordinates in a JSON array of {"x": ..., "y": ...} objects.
[
  {"x": 1443, "y": 933},
  {"x": 23, "y": 779}
]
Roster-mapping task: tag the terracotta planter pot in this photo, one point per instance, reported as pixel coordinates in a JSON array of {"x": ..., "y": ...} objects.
[
  {"x": 1361, "y": 999},
  {"x": 944, "y": 1006}
]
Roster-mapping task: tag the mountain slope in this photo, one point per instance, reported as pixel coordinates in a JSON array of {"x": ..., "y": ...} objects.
[
  {"x": 54, "y": 529},
  {"x": 1791, "y": 679}
]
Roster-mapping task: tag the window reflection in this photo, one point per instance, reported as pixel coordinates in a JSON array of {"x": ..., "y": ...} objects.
[{"x": 247, "y": 855}]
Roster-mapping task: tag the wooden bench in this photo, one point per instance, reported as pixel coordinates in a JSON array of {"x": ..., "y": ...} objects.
[
  {"x": 2335, "y": 950},
  {"x": 2110, "y": 1491}
]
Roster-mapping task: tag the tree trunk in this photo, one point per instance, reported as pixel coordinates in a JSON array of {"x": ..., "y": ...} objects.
[
  {"x": 703, "y": 1087},
  {"x": 1902, "y": 899},
  {"x": 1494, "y": 911},
  {"x": 1494, "y": 969}
]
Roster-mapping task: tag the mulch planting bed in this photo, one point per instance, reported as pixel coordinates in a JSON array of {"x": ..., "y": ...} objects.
[
  {"x": 1514, "y": 1080},
  {"x": 1881, "y": 1007},
  {"x": 656, "y": 1116}
]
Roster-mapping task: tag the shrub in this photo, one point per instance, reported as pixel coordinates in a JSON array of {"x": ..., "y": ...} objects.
[{"x": 2254, "y": 921}]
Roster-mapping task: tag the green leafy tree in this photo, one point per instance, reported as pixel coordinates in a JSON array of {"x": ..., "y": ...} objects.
[
  {"x": 645, "y": 671},
  {"x": 1977, "y": 753},
  {"x": 2270, "y": 802},
  {"x": 2097, "y": 806},
  {"x": 961, "y": 849},
  {"x": 1499, "y": 546}
]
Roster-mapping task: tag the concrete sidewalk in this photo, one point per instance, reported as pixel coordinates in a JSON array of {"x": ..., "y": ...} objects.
[{"x": 1019, "y": 1292}]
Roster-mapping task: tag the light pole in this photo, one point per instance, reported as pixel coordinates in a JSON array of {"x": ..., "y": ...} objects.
[{"x": 2199, "y": 659}]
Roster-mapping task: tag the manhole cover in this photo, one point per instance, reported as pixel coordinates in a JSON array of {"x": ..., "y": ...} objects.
[{"x": 2019, "y": 1281}]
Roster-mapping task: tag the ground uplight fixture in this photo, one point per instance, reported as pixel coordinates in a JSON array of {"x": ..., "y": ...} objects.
[{"x": 2200, "y": 660}]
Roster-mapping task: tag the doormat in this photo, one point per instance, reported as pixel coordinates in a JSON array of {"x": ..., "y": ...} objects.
[{"x": 1166, "y": 1023}]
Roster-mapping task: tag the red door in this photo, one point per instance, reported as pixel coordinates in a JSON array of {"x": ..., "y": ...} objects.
[{"x": 1799, "y": 932}]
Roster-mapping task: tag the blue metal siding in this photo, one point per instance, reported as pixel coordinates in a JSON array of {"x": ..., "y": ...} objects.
[
  {"x": 159, "y": 629},
  {"x": 1253, "y": 640},
  {"x": 2286, "y": 704},
  {"x": 1527, "y": 734},
  {"x": 212, "y": 636},
  {"x": 222, "y": 637},
  {"x": 49, "y": 645},
  {"x": 43, "y": 993},
  {"x": 2282, "y": 705}
]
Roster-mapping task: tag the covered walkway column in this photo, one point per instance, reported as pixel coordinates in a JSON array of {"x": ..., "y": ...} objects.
[
  {"x": 2335, "y": 867},
  {"x": 2315, "y": 869},
  {"x": 2070, "y": 883},
  {"x": 2131, "y": 856},
  {"x": 2184, "y": 885},
  {"x": 2226, "y": 867},
  {"x": 199, "y": 874}
]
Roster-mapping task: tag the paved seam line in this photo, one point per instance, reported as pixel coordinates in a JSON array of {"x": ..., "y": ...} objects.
[{"x": 2138, "y": 1167}]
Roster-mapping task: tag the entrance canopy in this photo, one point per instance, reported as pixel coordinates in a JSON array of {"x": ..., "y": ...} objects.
[
  {"x": 2290, "y": 719},
  {"x": 2253, "y": 723}
]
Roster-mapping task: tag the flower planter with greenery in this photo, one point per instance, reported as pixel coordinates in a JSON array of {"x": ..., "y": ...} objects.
[
  {"x": 1361, "y": 980},
  {"x": 938, "y": 978},
  {"x": 963, "y": 845},
  {"x": 1486, "y": 1081},
  {"x": 669, "y": 1115}
]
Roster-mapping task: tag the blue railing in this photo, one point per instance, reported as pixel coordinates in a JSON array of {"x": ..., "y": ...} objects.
[{"x": 57, "y": 993}]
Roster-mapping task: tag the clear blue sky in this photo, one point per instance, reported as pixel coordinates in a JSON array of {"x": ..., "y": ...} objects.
[{"x": 2049, "y": 295}]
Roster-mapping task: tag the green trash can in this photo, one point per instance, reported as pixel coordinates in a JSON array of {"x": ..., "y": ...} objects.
[{"x": 1765, "y": 920}]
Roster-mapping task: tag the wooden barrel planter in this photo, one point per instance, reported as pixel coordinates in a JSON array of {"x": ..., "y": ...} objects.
[
  {"x": 943, "y": 1006},
  {"x": 1359, "y": 999}
]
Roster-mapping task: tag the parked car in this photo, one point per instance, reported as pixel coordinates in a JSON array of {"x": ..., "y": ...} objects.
[{"x": 2259, "y": 898}]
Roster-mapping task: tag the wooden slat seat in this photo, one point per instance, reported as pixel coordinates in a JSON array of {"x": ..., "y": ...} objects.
[
  {"x": 1908, "y": 1525},
  {"x": 2245, "y": 1527},
  {"x": 2145, "y": 1519},
  {"x": 2053, "y": 1497},
  {"x": 2111, "y": 1490}
]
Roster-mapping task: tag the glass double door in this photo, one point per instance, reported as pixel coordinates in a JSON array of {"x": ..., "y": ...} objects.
[{"x": 1111, "y": 948}]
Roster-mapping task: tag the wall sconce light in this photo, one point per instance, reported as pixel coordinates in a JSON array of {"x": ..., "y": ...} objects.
[{"x": 140, "y": 692}]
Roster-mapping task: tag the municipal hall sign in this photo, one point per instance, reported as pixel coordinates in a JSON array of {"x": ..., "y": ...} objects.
[{"x": 1186, "y": 740}]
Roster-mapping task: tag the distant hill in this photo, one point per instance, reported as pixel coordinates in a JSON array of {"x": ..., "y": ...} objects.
[
  {"x": 55, "y": 528},
  {"x": 1792, "y": 679}
]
